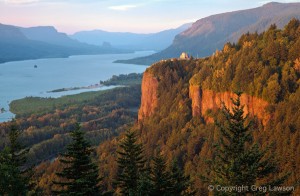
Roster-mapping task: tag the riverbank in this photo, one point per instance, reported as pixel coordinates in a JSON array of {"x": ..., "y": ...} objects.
[
  {"x": 38, "y": 105},
  {"x": 76, "y": 88}
]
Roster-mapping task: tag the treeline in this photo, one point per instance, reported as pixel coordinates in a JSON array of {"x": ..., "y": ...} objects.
[
  {"x": 265, "y": 65},
  {"x": 124, "y": 79}
]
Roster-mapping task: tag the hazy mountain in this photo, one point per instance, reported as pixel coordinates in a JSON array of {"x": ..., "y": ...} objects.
[
  {"x": 14, "y": 45},
  {"x": 10, "y": 33},
  {"x": 152, "y": 41},
  {"x": 48, "y": 34},
  {"x": 18, "y": 43},
  {"x": 211, "y": 33}
]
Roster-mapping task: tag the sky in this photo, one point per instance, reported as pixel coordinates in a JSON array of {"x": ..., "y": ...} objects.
[{"x": 139, "y": 16}]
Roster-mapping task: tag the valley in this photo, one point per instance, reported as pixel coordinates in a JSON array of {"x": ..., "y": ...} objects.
[{"x": 216, "y": 111}]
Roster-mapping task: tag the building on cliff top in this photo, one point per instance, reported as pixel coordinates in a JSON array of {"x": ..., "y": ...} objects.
[{"x": 184, "y": 56}]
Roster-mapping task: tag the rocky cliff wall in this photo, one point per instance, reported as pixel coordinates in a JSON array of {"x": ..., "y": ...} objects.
[
  {"x": 204, "y": 100},
  {"x": 149, "y": 95}
]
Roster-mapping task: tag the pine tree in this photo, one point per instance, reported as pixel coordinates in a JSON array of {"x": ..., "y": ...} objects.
[
  {"x": 15, "y": 176},
  {"x": 80, "y": 174},
  {"x": 160, "y": 177},
  {"x": 181, "y": 184},
  {"x": 237, "y": 161},
  {"x": 144, "y": 183},
  {"x": 131, "y": 164}
]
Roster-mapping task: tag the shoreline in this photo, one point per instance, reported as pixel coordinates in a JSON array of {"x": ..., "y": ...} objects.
[{"x": 92, "y": 86}]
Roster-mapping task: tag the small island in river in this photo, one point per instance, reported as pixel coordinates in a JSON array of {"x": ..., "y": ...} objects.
[
  {"x": 120, "y": 80},
  {"x": 75, "y": 88}
]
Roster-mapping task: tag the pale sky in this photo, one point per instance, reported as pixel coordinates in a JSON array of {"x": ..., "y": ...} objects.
[{"x": 141, "y": 16}]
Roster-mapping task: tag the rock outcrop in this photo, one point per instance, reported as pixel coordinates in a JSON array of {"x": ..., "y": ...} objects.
[
  {"x": 204, "y": 100},
  {"x": 149, "y": 95}
]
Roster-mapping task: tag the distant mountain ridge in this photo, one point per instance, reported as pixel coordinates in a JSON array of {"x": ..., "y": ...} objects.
[
  {"x": 211, "y": 33},
  {"x": 134, "y": 41},
  {"x": 49, "y": 35},
  {"x": 18, "y": 43},
  {"x": 10, "y": 33}
]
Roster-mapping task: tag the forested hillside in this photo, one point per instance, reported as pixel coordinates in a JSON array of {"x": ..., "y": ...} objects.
[
  {"x": 186, "y": 125},
  {"x": 47, "y": 122},
  {"x": 265, "y": 66}
]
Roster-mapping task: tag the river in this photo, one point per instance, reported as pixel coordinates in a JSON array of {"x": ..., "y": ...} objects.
[{"x": 19, "y": 79}]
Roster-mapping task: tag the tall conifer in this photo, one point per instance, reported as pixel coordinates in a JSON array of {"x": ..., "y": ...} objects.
[
  {"x": 160, "y": 177},
  {"x": 15, "y": 175},
  {"x": 237, "y": 161},
  {"x": 80, "y": 174},
  {"x": 131, "y": 164},
  {"x": 180, "y": 184}
]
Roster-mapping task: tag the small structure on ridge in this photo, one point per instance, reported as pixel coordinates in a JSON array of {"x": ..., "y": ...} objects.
[{"x": 184, "y": 56}]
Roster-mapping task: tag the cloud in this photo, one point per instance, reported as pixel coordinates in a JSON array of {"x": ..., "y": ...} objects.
[
  {"x": 21, "y": 1},
  {"x": 122, "y": 7}
]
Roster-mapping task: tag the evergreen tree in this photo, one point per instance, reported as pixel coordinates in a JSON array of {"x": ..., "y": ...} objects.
[
  {"x": 80, "y": 174},
  {"x": 144, "y": 184},
  {"x": 131, "y": 165},
  {"x": 180, "y": 184},
  {"x": 15, "y": 176},
  {"x": 237, "y": 161},
  {"x": 160, "y": 177}
]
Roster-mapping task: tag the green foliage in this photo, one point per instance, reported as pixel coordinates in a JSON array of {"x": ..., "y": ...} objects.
[
  {"x": 160, "y": 177},
  {"x": 272, "y": 92},
  {"x": 102, "y": 114},
  {"x": 255, "y": 64},
  {"x": 80, "y": 174},
  {"x": 124, "y": 79},
  {"x": 180, "y": 184},
  {"x": 131, "y": 164},
  {"x": 15, "y": 175},
  {"x": 237, "y": 161},
  {"x": 38, "y": 105},
  {"x": 145, "y": 184}
]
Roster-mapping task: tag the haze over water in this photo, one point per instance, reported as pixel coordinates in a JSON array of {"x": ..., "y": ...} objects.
[{"x": 20, "y": 79}]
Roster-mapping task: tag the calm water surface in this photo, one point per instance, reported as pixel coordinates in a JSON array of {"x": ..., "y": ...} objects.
[{"x": 20, "y": 79}]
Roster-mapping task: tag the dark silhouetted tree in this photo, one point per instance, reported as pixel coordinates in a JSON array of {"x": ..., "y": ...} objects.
[
  {"x": 131, "y": 164},
  {"x": 160, "y": 177},
  {"x": 80, "y": 175},
  {"x": 237, "y": 161},
  {"x": 180, "y": 184},
  {"x": 15, "y": 176}
]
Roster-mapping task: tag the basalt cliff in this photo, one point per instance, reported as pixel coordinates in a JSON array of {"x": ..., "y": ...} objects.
[
  {"x": 149, "y": 95},
  {"x": 181, "y": 98},
  {"x": 201, "y": 100},
  {"x": 204, "y": 100}
]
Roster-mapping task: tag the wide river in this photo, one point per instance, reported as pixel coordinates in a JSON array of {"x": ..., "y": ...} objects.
[{"x": 19, "y": 79}]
